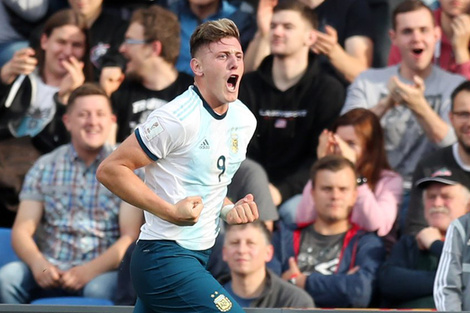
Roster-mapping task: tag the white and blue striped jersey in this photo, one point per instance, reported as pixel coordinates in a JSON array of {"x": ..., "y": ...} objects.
[{"x": 196, "y": 153}]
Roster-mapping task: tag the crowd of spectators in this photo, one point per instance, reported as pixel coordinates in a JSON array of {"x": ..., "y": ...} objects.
[{"x": 360, "y": 163}]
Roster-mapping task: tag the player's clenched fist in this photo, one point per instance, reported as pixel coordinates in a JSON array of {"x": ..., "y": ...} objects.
[
  {"x": 188, "y": 211},
  {"x": 244, "y": 211}
]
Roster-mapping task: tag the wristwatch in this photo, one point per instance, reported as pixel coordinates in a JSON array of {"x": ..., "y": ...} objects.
[{"x": 293, "y": 280}]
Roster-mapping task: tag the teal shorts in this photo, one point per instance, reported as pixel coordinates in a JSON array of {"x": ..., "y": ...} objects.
[{"x": 169, "y": 278}]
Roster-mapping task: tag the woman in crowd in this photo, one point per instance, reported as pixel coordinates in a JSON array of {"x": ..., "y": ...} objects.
[{"x": 358, "y": 136}]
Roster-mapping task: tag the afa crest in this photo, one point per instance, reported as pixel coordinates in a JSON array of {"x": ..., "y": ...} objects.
[
  {"x": 234, "y": 145},
  {"x": 221, "y": 302}
]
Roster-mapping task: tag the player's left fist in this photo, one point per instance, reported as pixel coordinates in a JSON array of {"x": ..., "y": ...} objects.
[{"x": 244, "y": 211}]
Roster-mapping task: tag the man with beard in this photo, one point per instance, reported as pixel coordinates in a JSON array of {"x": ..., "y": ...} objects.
[{"x": 455, "y": 157}]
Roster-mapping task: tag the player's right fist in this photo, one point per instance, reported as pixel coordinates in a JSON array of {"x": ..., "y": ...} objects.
[{"x": 187, "y": 211}]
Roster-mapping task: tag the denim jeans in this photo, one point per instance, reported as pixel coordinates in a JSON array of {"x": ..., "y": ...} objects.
[
  {"x": 288, "y": 210},
  {"x": 17, "y": 285}
]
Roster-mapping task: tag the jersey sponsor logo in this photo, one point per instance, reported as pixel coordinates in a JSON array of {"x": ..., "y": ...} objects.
[
  {"x": 204, "y": 145},
  {"x": 153, "y": 130},
  {"x": 221, "y": 302}
]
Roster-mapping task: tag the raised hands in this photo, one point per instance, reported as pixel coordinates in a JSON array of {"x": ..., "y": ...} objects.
[
  {"x": 265, "y": 15},
  {"x": 326, "y": 42},
  {"x": 330, "y": 143},
  {"x": 461, "y": 38},
  {"x": 410, "y": 95},
  {"x": 73, "y": 79},
  {"x": 23, "y": 62}
]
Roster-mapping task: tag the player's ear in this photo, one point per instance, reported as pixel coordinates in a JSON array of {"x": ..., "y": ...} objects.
[{"x": 196, "y": 67}]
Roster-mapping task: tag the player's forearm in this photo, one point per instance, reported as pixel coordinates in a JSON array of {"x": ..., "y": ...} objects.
[{"x": 124, "y": 183}]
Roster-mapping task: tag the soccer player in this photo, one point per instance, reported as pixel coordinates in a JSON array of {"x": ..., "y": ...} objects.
[{"x": 190, "y": 147}]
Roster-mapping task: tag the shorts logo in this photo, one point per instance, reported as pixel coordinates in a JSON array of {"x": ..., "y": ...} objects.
[{"x": 222, "y": 302}]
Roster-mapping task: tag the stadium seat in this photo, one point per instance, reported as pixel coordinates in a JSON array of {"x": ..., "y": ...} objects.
[
  {"x": 72, "y": 301},
  {"x": 7, "y": 254}
]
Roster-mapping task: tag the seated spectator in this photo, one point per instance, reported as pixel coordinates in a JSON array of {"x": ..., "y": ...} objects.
[
  {"x": 411, "y": 99},
  {"x": 106, "y": 34},
  {"x": 247, "y": 249},
  {"x": 293, "y": 101},
  {"x": 407, "y": 277},
  {"x": 453, "y": 52},
  {"x": 455, "y": 157},
  {"x": 333, "y": 259},
  {"x": 358, "y": 136},
  {"x": 71, "y": 232},
  {"x": 343, "y": 38},
  {"x": 192, "y": 13},
  {"x": 34, "y": 86},
  {"x": 151, "y": 48}
]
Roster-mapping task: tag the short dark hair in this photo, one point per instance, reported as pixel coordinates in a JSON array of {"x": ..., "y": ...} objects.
[
  {"x": 333, "y": 163},
  {"x": 160, "y": 25},
  {"x": 294, "y": 5},
  {"x": 409, "y": 6},
  {"x": 260, "y": 225},
  {"x": 87, "y": 89},
  {"x": 212, "y": 31},
  {"x": 464, "y": 86}
]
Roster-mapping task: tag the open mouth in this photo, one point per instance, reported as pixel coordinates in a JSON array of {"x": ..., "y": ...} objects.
[
  {"x": 417, "y": 52},
  {"x": 232, "y": 82}
]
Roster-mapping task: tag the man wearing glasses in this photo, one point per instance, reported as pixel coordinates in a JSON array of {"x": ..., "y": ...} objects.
[
  {"x": 151, "y": 48},
  {"x": 455, "y": 157}
]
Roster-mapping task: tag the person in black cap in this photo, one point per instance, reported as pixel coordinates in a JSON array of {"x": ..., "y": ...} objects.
[{"x": 407, "y": 277}]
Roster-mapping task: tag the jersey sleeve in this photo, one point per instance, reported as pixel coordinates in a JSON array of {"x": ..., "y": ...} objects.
[{"x": 160, "y": 134}]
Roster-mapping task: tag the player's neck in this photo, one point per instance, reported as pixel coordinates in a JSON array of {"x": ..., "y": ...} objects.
[
  {"x": 160, "y": 77},
  {"x": 287, "y": 71},
  {"x": 249, "y": 286}
]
